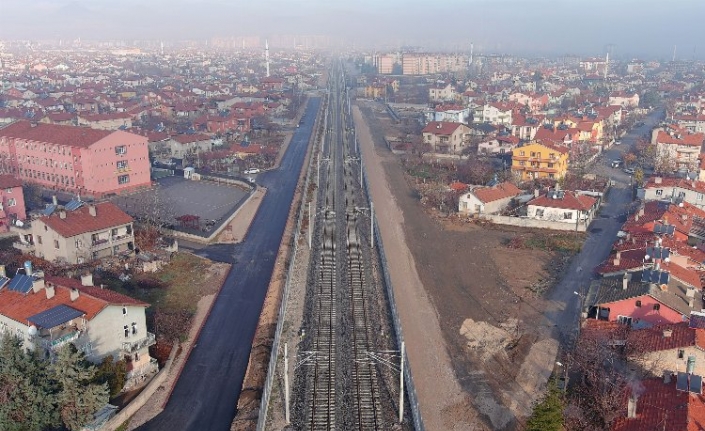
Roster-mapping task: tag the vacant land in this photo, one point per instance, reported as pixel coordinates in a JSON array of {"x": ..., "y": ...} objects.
[{"x": 485, "y": 284}]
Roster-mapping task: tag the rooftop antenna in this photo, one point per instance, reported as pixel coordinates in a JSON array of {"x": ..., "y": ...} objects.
[{"x": 266, "y": 55}]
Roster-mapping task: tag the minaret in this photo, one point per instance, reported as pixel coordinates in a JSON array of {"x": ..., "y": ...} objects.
[
  {"x": 161, "y": 47},
  {"x": 607, "y": 63},
  {"x": 472, "y": 47},
  {"x": 266, "y": 55}
]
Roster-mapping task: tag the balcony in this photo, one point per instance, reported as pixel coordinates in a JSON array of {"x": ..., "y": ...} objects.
[
  {"x": 133, "y": 346},
  {"x": 24, "y": 247},
  {"x": 57, "y": 343}
]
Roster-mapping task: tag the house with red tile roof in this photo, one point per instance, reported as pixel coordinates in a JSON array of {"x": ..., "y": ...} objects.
[
  {"x": 50, "y": 312},
  {"x": 12, "y": 206},
  {"x": 181, "y": 145},
  {"x": 678, "y": 148},
  {"x": 562, "y": 206},
  {"x": 666, "y": 348},
  {"x": 446, "y": 137},
  {"x": 659, "y": 405},
  {"x": 623, "y": 99},
  {"x": 676, "y": 190},
  {"x": 92, "y": 231},
  {"x": 487, "y": 200}
]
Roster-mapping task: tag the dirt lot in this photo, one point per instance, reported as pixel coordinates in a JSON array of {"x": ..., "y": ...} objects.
[{"x": 483, "y": 295}]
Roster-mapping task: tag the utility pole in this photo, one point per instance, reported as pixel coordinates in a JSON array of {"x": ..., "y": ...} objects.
[
  {"x": 401, "y": 385},
  {"x": 286, "y": 383},
  {"x": 372, "y": 225},
  {"x": 310, "y": 225}
]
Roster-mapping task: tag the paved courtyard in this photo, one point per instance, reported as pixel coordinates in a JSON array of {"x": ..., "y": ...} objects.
[{"x": 176, "y": 196}]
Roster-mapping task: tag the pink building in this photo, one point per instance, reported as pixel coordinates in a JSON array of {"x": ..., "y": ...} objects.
[
  {"x": 11, "y": 202},
  {"x": 78, "y": 160}
]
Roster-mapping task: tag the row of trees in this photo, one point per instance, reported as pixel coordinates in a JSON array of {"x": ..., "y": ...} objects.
[{"x": 36, "y": 394}]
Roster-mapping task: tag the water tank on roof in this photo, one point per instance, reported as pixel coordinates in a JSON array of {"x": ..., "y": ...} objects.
[{"x": 28, "y": 267}]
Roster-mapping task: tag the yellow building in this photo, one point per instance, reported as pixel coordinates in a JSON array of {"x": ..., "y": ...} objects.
[
  {"x": 537, "y": 160},
  {"x": 376, "y": 91}
]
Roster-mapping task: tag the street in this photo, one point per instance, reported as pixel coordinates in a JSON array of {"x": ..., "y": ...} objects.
[
  {"x": 601, "y": 235},
  {"x": 206, "y": 393}
]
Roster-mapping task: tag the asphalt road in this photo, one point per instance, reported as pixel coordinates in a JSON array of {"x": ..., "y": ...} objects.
[
  {"x": 602, "y": 233},
  {"x": 206, "y": 394}
]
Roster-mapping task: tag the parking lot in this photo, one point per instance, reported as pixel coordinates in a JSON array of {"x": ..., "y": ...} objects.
[{"x": 175, "y": 197}]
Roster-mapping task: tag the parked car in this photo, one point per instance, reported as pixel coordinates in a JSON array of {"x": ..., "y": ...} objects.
[
  {"x": 617, "y": 142},
  {"x": 252, "y": 171},
  {"x": 616, "y": 163},
  {"x": 629, "y": 171}
]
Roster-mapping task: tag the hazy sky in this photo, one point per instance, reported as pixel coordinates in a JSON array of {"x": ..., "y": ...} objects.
[{"x": 634, "y": 27}]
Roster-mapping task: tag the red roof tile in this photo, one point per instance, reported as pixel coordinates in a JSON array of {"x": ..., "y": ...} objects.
[
  {"x": 441, "y": 127},
  {"x": 692, "y": 139},
  {"x": 107, "y": 295},
  {"x": 570, "y": 201},
  {"x": 54, "y": 133},
  {"x": 80, "y": 221},
  {"x": 500, "y": 191}
]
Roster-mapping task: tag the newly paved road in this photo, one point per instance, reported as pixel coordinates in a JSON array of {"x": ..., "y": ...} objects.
[
  {"x": 602, "y": 234},
  {"x": 206, "y": 394}
]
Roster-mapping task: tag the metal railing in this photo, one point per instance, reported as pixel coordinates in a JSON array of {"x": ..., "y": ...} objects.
[
  {"x": 58, "y": 342},
  {"x": 408, "y": 379},
  {"x": 134, "y": 346},
  {"x": 274, "y": 355}
]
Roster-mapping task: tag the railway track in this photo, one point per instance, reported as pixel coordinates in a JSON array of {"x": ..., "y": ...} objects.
[{"x": 343, "y": 387}]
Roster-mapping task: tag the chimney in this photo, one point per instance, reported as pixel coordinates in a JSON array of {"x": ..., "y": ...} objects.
[
  {"x": 636, "y": 217},
  {"x": 617, "y": 258},
  {"x": 691, "y": 302},
  {"x": 641, "y": 211},
  {"x": 53, "y": 200},
  {"x": 74, "y": 294},
  {"x": 91, "y": 210},
  {"x": 3, "y": 273},
  {"x": 537, "y": 192},
  {"x": 50, "y": 291},
  {"x": 657, "y": 180},
  {"x": 37, "y": 285},
  {"x": 625, "y": 281},
  {"x": 631, "y": 406},
  {"x": 62, "y": 214},
  {"x": 667, "y": 333},
  {"x": 87, "y": 279},
  {"x": 684, "y": 217}
]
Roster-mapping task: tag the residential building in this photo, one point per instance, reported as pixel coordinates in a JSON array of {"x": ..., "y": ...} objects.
[
  {"x": 12, "y": 205},
  {"x": 375, "y": 91},
  {"x": 443, "y": 92},
  {"x": 667, "y": 348},
  {"x": 487, "y": 200},
  {"x": 451, "y": 113},
  {"x": 48, "y": 313},
  {"x": 562, "y": 206},
  {"x": 498, "y": 146},
  {"x": 427, "y": 64},
  {"x": 677, "y": 148},
  {"x": 537, "y": 160},
  {"x": 92, "y": 231},
  {"x": 694, "y": 123},
  {"x": 77, "y": 160},
  {"x": 109, "y": 121},
  {"x": 674, "y": 190},
  {"x": 624, "y": 100},
  {"x": 496, "y": 113},
  {"x": 181, "y": 145},
  {"x": 385, "y": 63},
  {"x": 660, "y": 404},
  {"x": 446, "y": 137}
]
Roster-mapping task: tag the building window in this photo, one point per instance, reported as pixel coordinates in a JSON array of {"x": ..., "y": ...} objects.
[
  {"x": 521, "y": 153},
  {"x": 122, "y": 164},
  {"x": 134, "y": 328},
  {"x": 568, "y": 215},
  {"x": 127, "y": 331},
  {"x": 120, "y": 150},
  {"x": 539, "y": 213},
  {"x": 681, "y": 354},
  {"x": 700, "y": 196},
  {"x": 638, "y": 303},
  {"x": 56, "y": 244},
  {"x": 11, "y": 202},
  {"x": 624, "y": 320},
  {"x": 659, "y": 192},
  {"x": 123, "y": 179},
  {"x": 681, "y": 195},
  {"x": 116, "y": 249},
  {"x": 657, "y": 307},
  {"x": 124, "y": 311},
  {"x": 39, "y": 239}
]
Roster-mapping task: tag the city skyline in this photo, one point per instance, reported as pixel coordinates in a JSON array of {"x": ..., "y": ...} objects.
[{"x": 631, "y": 28}]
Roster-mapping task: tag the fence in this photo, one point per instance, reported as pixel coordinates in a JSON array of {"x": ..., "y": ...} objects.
[
  {"x": 274, "y": 354},
  {"x": 529, "y": 222},
  {"x": 408, "y": 379}
]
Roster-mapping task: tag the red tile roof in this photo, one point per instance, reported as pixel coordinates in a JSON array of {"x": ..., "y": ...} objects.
[
  {"x": 80, "y": 221},
  {"x": 661, "y": 406},
  {"x": 692, "y": 139},
  {"x": 653, "y": 340},
  {"x": 9, "y": 182},
  {"x": 500, "y": 191},
  {"x": 107, "y": 295},
  {"x": 570, "y": 201},
  {"x": 55, "y": 134}
]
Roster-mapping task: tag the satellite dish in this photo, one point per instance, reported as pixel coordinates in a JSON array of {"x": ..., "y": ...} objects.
[
  {"x": 19, "y": 223},
  {"x": 32, "y": 331}
]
